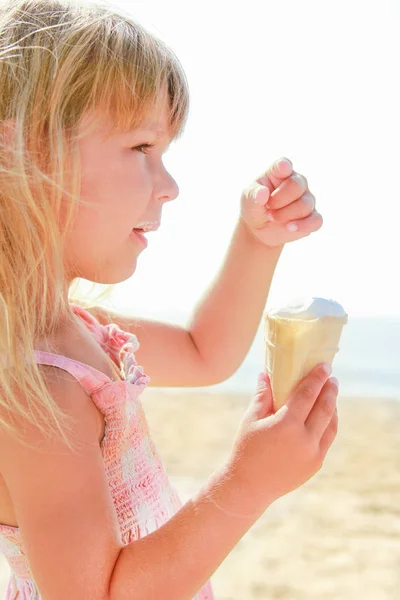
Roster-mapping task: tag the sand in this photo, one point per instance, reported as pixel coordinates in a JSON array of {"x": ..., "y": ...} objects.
[{"x": 336, "y": 538}]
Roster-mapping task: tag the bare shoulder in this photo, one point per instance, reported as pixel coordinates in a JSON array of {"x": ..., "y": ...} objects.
[
  {"x": 73, "y": 400},
  {"x": 71, "y": 397},
  {"x": 63, "y": 494}
]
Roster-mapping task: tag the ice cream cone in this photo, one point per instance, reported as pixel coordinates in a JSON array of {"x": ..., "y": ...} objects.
[{"x": 297, "y": 338}]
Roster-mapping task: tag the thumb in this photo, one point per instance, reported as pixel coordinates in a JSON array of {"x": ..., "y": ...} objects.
[
  {"x": 257, "y": 194},
  {"x": 280, "y": 170},
  {"x": 263, "y": 401}
]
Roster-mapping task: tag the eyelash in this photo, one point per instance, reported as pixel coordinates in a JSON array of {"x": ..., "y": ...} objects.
[{"x": 146, "y": 146}]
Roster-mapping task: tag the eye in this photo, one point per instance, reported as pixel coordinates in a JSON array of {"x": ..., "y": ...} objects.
[{"x": 143, "y": 148}]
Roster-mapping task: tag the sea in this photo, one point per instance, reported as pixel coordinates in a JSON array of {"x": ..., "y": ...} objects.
[{"x": 367, "y": 364}]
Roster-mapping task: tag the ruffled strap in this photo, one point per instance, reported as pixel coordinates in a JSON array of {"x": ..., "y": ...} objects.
[
  {"x": 116, "y": 338},
  {"x": 110, "y": 335},
  {"x": 120, "y": 345}
]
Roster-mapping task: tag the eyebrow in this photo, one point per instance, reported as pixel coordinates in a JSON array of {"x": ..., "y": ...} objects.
[{"x": 159, "y": 132}]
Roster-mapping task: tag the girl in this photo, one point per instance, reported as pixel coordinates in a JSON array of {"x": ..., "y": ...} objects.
[{"x": 89, "y": 103}]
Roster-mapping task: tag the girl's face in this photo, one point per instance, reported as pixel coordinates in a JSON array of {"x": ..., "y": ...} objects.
[{"x": 126, "y": 184}]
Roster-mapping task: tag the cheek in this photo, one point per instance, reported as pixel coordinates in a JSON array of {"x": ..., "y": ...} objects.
[
  {"x": 125, "y": 183},
  {"x": 138, "y": 173},
  {"x": 118, "y": 193}
]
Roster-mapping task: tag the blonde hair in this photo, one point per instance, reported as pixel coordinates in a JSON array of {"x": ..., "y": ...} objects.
[{"x": 59, "y": 60}]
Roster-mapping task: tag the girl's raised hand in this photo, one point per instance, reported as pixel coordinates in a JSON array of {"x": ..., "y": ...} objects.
[{"x": 278, "y": 207}]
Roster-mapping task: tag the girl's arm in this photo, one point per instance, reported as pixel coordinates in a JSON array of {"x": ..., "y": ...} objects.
[
  {"x": 68, "y": 521},
  {"x": 70, "y": 529},
  {"x": 175, "y": 561},
  {"x": 223, "y": 325}
]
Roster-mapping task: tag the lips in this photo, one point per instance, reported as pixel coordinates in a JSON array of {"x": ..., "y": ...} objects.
[
  {"x": 146, "y": 226},
  {"x": 137, "y": 234}
]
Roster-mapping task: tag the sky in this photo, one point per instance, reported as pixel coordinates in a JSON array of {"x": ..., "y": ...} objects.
[{"x": 314, "y": 81}]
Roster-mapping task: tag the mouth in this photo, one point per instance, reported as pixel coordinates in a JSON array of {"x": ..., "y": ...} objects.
[
  {"x": 138, "y": 234},
  {"x": 147, "y": 226},
  {"x": 144, "y": 227}
]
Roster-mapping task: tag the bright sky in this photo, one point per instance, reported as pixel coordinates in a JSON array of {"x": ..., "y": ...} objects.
[{"x": 314, "y": 81}]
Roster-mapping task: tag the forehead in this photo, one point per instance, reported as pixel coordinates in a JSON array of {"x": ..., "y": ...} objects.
[{"x": 157, "y": 119}]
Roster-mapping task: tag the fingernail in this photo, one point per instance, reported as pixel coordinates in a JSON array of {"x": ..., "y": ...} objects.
[
  {"x": 292, "y": 227},
  {"x": 261, "y": 196},
  {"x": 327, "y": 368},
  {"x": 283, "y": 160}
]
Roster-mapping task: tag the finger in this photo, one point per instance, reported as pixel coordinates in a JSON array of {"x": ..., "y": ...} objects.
[
  {"x": 303, "y": 227},
  {"x": 258, "y": 195},
  {"x": 299, "y": 209},
  {"x": 280, "y": 170},
  {"x": 289, "y": 190},
  {"x": 262, "y": 402},
  {"x": 321, "y": 414},
  {"x": 329, "y": 435},
  {"x": 305, "y": 394}
]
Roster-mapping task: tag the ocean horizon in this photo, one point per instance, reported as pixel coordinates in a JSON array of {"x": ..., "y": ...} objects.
[{"x": 367, "y": 364}]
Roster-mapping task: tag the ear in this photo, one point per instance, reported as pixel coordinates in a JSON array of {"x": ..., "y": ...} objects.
[
  {"x": 7, "y": 133},
  {"x": 7, "y": 129}
]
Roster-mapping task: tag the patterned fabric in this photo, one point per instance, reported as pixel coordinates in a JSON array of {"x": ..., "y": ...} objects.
[{"x": 143, "y": 496}]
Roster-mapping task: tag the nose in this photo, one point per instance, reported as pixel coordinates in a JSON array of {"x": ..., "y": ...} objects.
[{"x": 167, "y": 188}]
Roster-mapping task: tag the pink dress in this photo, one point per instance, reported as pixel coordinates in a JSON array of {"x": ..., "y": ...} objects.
[{"x": 143, "y": 496}]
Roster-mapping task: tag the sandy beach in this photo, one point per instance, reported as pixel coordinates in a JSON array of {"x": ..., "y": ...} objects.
[{"x": 336, "y": 538}]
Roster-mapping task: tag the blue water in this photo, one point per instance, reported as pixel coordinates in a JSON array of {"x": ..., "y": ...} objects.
[{"x": 367, "y": 364}]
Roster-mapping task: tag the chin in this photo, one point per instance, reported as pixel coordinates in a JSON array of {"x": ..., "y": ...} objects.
[
  {"x": 112, "y": 276},
  {"x": 119, "y": 277}
]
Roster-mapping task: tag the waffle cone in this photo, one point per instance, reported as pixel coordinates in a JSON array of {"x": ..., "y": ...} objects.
[{"x": 294, "y": 346}]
